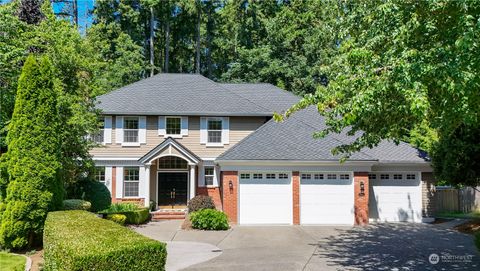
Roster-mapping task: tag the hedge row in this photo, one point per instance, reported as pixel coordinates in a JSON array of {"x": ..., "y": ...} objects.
[
  {"x": 79, "y": 240},
  {"x": 138, "y": 216}
]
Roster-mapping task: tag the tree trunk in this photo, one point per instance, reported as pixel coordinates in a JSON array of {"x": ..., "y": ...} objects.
[
  {"x": 152, "y": 56},
  {"x": 75, "y": 12},
  {"x": 167, "y": 45},
  {"x": 209, "y": 43},
  {"x": 199, "y": 20}
]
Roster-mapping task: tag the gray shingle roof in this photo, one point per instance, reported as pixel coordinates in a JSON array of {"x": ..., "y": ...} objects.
[
  {"x": 266, "y": 95},
  {"x": 180, "y": 94},
  {"x": 293, "y": 140}
]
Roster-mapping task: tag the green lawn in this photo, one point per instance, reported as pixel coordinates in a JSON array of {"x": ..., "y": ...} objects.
[
  {"x": 475, "y": 214},
  {"x": 10, "y": 262}
]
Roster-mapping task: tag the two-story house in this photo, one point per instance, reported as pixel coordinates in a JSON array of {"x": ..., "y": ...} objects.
[{"x": 170, "y": 137}]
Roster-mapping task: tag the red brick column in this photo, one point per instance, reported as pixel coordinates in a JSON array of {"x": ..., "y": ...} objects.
[
  {"x": 230, "y": 195},
  {"x": 114, "y": 184},
  {"x": 361, "y": 200},
  {"x": 296, "y": 197}
]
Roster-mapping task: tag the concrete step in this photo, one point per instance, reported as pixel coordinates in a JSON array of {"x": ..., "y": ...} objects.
[{"x": 167, "y": 215}]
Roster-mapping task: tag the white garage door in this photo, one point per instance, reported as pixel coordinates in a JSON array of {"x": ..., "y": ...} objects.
[
  {"x": 395, "y": 197},
  {"x": 326, "y": 198},
  {"x": 265, "y": 198}
]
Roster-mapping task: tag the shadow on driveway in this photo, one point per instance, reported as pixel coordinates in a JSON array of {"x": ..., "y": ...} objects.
[{"x": 402, "y": 246}]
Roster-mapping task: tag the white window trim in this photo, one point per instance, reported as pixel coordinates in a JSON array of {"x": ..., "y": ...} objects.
[
  {"x": 205, "y": 176},
  {"x": 215, "y": 144},
  {"x": 139, "y": 195},
  {"x": 173, "y": 135},
  {"x": 125, "y": 129},
  {"x": 225, "y": 132},
  {"x": 201, "y": 175}
]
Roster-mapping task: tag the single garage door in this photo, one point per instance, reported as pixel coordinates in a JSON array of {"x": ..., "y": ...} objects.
[
  {"x": 395, "y": 197},
  {"x": 326, "y": 198},
  {"x": 265, "y": 198}
]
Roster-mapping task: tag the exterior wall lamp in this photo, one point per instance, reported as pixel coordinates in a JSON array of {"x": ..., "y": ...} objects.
[
  {"x": 362, "y": 189},
  {"x": 230, "y": 185}
]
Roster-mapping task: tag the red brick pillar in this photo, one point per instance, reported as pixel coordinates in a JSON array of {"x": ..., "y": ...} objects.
[
  {"x": 114, "y": 184},
  {"x": 361, "y": 199},
  {"x": 296, "y": 197},
  {"x": 230, "y": 194}
]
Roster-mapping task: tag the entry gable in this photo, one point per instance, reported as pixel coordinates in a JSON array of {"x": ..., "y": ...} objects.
[{"x": 167, "y": 148}]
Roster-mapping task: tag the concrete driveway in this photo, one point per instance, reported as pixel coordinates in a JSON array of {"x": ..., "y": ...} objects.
[{"x": 401, "y": 246}]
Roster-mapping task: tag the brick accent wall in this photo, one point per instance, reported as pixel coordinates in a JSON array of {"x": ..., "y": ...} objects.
[
  {"x": 114, "y": 184},
  {"x": 230, "y": 195},
  {"x": 360, "y": 201},
  {"x": 296, "y": 197},
  {"x": 428, "y": 195},
  {"x": 213, "y": 192}
]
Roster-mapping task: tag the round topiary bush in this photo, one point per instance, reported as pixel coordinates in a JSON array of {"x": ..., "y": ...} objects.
[
  {"x": 209, "y": 219},
  {"x": 199, "y": 203},
  {"x": 76, "y": 204},
  {"x": 117, "y": 218}
]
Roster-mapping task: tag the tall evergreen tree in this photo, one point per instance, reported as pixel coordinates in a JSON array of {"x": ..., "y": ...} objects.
[{"x": 33, "y": 157}]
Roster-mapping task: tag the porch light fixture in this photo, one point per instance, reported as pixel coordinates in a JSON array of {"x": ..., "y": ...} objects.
[
  {"x": 230, "y": 185},
  {"x": 362, "y": 189}
]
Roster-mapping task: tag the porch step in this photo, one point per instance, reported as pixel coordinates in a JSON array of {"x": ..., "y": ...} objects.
[{"x": 167, "y": 215}]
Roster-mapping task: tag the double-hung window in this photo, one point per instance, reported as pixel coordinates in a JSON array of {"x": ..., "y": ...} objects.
[
  {"x": 100, "y": 174},
  {"x": 173, "y": 126},
  {"x": 209, "y": 175},
  {"x": 214, "y": 130},
  {"x": 99, "y": 136},
  {"x": 131, "y": 179},
  {"x": 130, "y": 130}
]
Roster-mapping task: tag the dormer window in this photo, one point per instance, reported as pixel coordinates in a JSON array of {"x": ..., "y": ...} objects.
[
  {"x": 130, "y": 131},
  {"x": 173, "y": 125},
  {"x": 214, "y": 130}
]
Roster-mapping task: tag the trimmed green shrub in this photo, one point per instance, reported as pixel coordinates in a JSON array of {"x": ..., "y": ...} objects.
[
  {"x": 134, "y": 214},
  {"x": 200, "y": 202},
  {"x": 117, "y": 218},
  {"x": 78, "y": 240},
  {"x": 76, "y": 204},
  {"x": 33, "y": 157},
  {"x": 209, "y": 219},
  {"x": 120, "y": 207},
  {"x": 95, "y": 192}
]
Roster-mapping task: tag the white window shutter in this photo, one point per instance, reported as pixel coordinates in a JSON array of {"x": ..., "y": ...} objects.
[
  {"x": 184, "y": 126},
  {"x": 108, "y": 179},
  {"x": 203, "y": 130},
  {"x": 142, "y": 129},
  {"x": 226, "y": 130},
  {"x": 119, "y": 129},
  {"x": 107, "y": 130},
  {"x": 161, "y": 126},
  {"x": 119, "y": 183}
]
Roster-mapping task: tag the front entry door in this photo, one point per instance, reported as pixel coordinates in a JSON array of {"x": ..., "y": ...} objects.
[{"x": 172, "y": 189}]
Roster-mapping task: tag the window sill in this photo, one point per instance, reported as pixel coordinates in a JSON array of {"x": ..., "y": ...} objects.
[
  {"x": 214, "y": 145},
  {"x": 131, "y": 144},
  {"x": 173, "y": 136}
]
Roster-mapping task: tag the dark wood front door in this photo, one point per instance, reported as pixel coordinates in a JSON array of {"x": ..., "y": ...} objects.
[{"x": 172, "y": 189}]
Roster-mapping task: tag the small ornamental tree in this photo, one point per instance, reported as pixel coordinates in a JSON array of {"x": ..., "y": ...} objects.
[{"x": 33, "y": 157}]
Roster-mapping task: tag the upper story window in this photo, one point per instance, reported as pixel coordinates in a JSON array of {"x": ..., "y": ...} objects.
[
  {"x": 209, "y": 175},
  {"x": 99, "y": 136},
  {"x": 130, "y": 130},
  {"x": 214, "y": 130},
  {"x": 173, "y": 125},
  {"x": 172, "y": 162},
  {"x": 131, "y": 179},
  {"x": 99, "y": 174}
]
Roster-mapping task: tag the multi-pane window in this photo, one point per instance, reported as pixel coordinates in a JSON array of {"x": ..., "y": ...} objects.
[
  {"x": 283, "y": 176},
  {"x": 98, "y": 137},
  {"x": 131, "y": 180},
  {"x": 258, "y": 176},
  {"x": 214, "y": 130},
  {"x": 318, "y": 176},
  {"x": 344, "y": 176},
  {"x": 173, "y": 125},
  {"x": 271, "y": 176},
  {"x": 384, "y": 176},
  {"x": 172, "y": 162},
  {"x": 397, "y": 176},
  {"x": 332, "y": 176},
  {"x": 100, "y": 174},
  {"x": 130, "y": 129},
  {"x": 245, "y": 176},
  {"x": 209, "y": 174},
  {"x": 410, "y": 176},
  {"x": 372, "y": 176},
  {"x": 306, "y": 176}
]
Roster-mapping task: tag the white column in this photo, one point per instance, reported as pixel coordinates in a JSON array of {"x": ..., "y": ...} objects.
[
  {"x": 147, "y": 185},
  {"x": 193, "y": 177}
]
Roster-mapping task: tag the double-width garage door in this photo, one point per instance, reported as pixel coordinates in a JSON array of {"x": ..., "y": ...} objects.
[
  {"x": 265, "y": 198},
  {"x": 326, "y": 198},
  {"x": 395, "y": 197}
]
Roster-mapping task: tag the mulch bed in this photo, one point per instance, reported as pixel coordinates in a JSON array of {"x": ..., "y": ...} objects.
[
  {"x": 441, "y": 220},
  {"x": 470, "y": 227}
]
